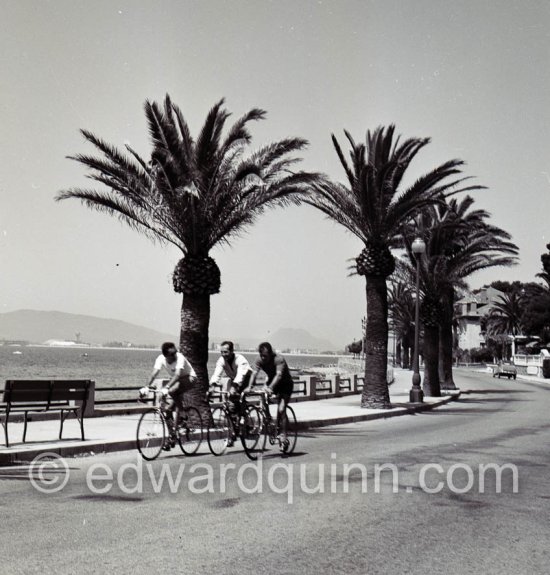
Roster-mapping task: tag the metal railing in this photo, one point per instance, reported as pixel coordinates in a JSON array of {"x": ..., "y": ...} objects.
[{"x": 306, "y": 388}]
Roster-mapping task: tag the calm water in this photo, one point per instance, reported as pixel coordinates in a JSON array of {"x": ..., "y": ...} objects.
[{"x": 107, "y": 367}]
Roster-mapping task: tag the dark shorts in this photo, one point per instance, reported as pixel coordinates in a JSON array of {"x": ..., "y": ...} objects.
[
  {"x": 175, "y": 397},
  {"x": 283, "y": 390}
]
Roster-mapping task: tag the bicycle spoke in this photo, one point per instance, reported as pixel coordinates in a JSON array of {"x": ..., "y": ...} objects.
[
  {"x": 190, "y": 431},
  {"x": 219, "y": 431},
  {"x": 151, "y": 434},
  {"x": 251, "y": 432},
  {"x": 291, "y": 430}
]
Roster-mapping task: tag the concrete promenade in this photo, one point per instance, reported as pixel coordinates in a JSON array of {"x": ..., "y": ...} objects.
[{"x": 113, "y": 433}]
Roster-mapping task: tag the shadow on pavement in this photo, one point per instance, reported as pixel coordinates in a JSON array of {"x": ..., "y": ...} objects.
[{"x": 486, "y": 391}]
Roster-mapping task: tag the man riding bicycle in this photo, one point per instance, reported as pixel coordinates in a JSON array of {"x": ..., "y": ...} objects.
[
  {"x": 237, "y": 369},
  {"x": 279, "y": 383},
  {"x": 181, "y": 374}
]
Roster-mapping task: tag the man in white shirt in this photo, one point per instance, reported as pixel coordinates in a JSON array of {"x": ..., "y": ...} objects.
[
  {"x": 235, "y": 366},
  {"x": 238, "y": 370},
  {"x": 181, "y": 373}
]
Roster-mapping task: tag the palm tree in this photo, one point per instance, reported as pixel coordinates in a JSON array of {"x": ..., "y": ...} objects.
[
  {"x": 430, "y": 280},
  {"x": 459, "y": 242},
  {"x": 476, "y": 246},
  {"x": 505, "y": 317},
  {"x": 545, "y": 273},
  {"x": 194, "y": 194},
  {"x": 401, "y": 315},
  {"x": 374, "y": 207}
]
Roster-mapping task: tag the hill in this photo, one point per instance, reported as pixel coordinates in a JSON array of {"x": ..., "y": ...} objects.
[
  {"x": 39, "y": 326},
  {"x": 299, "y": 339},
  {"x": 292, "y": 339}
]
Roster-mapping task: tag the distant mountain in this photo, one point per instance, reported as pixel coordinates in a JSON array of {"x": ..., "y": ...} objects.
[
  {"x": 299, "y": 339},
  {"x": 40, "y": 326},
  {"x": 290, "y": 338}
]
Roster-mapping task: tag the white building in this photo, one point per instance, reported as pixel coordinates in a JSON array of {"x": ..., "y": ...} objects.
[{"x": 469, "y": 310}]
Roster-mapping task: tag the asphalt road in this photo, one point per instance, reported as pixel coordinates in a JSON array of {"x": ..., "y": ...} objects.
[{"x": 411, "y": 494}]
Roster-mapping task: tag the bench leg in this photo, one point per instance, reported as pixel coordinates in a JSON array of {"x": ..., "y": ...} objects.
[
  {"x": 61, "y": 421},
  {"x": 65, "y": 414},
  {"x": 5, "y": 426},
  {"x": 81, "y": 424},
  {"x": 26, "y": 418}
]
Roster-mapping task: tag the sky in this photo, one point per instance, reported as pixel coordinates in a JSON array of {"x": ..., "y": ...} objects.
[{"x": 473, "y": 76}]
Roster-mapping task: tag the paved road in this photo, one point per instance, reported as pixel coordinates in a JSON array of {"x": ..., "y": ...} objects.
[{"x": 227, "y": 516}]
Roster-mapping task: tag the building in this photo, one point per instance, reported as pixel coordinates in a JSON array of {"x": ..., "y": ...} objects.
[{"x": 468, "y": 311}]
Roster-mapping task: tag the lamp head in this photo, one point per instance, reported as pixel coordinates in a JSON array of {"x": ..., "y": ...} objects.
[{"x": 418, "y": 246}]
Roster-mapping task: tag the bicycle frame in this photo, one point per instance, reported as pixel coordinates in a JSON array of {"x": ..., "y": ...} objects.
[
  {"x": 154, "y": 428},
  {"x": 227, "y": 424},
  {"x": 271, "y": 424}
]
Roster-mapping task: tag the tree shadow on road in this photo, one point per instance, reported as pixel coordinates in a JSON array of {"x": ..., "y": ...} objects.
[
  {"x": 496, "y": 391},
  {"x": 335, "y": 431}
]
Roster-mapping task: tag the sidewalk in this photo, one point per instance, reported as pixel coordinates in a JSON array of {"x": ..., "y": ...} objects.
[{"x": 117, "y": 432}]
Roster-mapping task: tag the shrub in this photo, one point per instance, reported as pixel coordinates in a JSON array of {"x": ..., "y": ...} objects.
[{"x": 481, "y": 355}]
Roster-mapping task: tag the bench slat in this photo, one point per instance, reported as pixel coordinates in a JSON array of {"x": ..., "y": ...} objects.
[{"x": 26, "y": 395}]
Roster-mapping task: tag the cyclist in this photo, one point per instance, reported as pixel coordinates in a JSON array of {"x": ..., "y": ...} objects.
[
  {"x": 181, "y": 373},
  {"x": 237, "y": 369},
  {"x": 279, "y": 383}
]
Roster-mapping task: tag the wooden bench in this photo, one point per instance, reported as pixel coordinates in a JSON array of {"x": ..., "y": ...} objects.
[{"x": 38, "y": 396}]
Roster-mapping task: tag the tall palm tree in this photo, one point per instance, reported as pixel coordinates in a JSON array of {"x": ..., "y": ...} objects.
[
  {"x": 459, "y": 242},
  {"x": 194, "y": 194},
  {"x": 477, "y": 246},
  {"x": 401, "y": 307},
  {"x": 545, "y": 273},
  {"x": 430, "y": 280},
  {"x": 374, "y": 207},
  {"x": 505, "y": 317}
]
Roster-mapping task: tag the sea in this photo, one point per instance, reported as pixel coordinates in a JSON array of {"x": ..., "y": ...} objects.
[{"x": 109, "y": 367}]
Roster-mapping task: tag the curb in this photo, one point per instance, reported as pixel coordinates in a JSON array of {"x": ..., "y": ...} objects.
[
  {"x": 91, "y": 447},
  {"x": 394, "y": 412}
]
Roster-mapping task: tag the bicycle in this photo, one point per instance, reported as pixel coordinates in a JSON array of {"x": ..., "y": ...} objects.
[
  {"x": 227, "y": 424},
  {"x": 153, "y": 430},
  {"x": 271, "y": 425}
]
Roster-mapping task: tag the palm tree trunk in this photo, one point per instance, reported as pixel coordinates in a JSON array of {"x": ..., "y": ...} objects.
[
  {"x": 440, "y": 368},
  {"x": 195, "y": 318},
  {"x": 408, "y": 339},
  {"x": 446, "y": 342},
  {"x": 430, "y": 385},
  {"x": 406, "y": 364},
  {"x": 375, "y": 392},
  {"x": 398, "y": 355}
]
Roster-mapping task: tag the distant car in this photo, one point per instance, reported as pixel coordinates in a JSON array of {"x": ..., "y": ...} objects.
[{"x": 505, "y": 369}]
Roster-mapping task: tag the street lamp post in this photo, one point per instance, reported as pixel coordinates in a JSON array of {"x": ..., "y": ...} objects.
[{"x": 417, "y": 395}]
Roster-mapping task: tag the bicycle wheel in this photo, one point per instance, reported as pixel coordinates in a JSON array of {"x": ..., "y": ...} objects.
[
  {"x": 268, "y": 429},
  {"x": 219, "y": 431},
  {"x": 151, "y": 434},
  {"x": 251, "y": 432},
  {"x": 291, "y": 430},
  {"x": 190, "y": 430}
]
